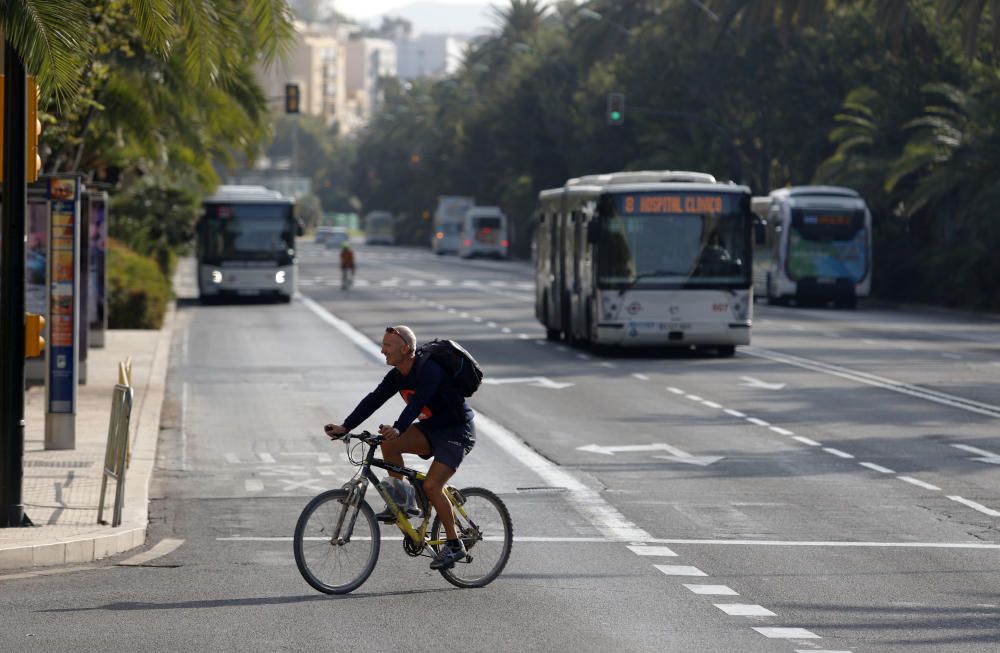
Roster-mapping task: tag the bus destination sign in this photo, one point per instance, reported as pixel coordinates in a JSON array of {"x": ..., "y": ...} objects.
[{"x": 656, "y": 204}]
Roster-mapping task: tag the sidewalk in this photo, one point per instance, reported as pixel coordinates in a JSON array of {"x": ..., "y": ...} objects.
[{"x": 62, "y": 489}]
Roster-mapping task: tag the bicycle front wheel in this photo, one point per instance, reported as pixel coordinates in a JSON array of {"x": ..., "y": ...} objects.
[
  {"x": 488, "y": 534},
  {"x": 336, "y": 566}
]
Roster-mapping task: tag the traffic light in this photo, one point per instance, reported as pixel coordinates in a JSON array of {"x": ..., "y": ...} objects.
[
  {"x": 34, "y": 343},
  {"x": 33, "y": 162},
  {"x": 616, "y": 109},
  {"x": 291, "y": 98}
]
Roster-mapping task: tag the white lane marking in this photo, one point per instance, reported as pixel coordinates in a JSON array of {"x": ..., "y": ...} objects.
[
  {"x": 785, "y": 633},
  {"x": 751, "y": 382},
  {"x": 712, "y": 590},
  {"x": 523, "y": 336},
  {"x": 680, "y": 570},
  {"x": 397, "y": 537},
  {"x": 232, "y": 458},
  {"x": 676, "y": 391},
  {"x": 735, "y": 413},
  {"x": 982, "y": 546},
  {"x": 778, "y": 429},
  {"x": 692, "y": 397},
  {"x": 744, "y": 610},
  {"x": 814, "y": 650},
  {"x": 505, "y": 330},
  {"x": 878, "y": 468},
  {"x": 878, "y": 381},
  {"x": 253, "y": 485},
  {"x": 321, "y": 458},
  {"x": 758, "y": 422},
  {"x": 956, "y": 357},
  {"x": 184, "y": 436},
  {"x": 977, "y": 506},
  {"x": 491, "y": 325},
  {"x": 560, "y": 348},
  {"x": 162, "y": 548},
  {"x": 837, "y": 452},
  {"x": 652, "y": 551},
  {"x": 984, "y": 455},
  {"x": 918, "y": 483},
  {"x": 607, "y": 364},
  {"x": 641, "y": 377},
  {"x": 975, "y": 450},
  {"x": 477, "y": 319},
  {"x": 266, "y": 457},
  {"x": 805, "y": 440},
  {"x": 711, "y": 404},
  {"x": 463, "y": 315},
  {"x": 583, "y": 357}
]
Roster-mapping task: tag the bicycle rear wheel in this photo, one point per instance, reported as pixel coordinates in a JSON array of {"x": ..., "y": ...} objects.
[
  {"x": 335, "y": 567},
  {"x": 488, "y": 535}
]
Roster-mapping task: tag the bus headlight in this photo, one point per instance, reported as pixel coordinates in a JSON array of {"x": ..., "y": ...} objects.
[
  {"x": 216, "y": 276},
  {"x": 279, "y": 276}
]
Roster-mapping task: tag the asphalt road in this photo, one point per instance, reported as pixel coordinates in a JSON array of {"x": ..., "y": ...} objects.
[{"x": 833, "y": 487}]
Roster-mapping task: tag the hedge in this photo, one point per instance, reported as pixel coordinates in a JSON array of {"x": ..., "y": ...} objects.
[{"x": 138, "y": 293}]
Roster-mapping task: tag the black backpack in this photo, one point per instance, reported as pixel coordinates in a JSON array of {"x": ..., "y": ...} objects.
[{"x": 458, "y": 365}]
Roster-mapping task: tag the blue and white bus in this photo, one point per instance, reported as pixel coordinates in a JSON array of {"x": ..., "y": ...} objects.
[
  {"x": 818, "y": 247},
  {"x": 246, "y": 244}
]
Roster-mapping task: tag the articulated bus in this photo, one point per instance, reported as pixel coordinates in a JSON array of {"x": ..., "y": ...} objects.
[
  {"x": 653, "y": 258},
  {"x": 246, "y": 244},
  {"x": 818, "y": 247},
  {"x": 380, "y": 228}
]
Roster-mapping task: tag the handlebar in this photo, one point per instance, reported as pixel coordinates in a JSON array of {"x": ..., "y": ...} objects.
[{"x": 365, "y": 436}]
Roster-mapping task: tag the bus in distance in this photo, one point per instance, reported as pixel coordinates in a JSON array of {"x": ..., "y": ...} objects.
[
  {"x": 246, "y": 244},
  {"x": 484, "y": 233},
  {"x": 448, "y": 219},
  {"x": 818, "y": 247},
  {"x": 651, "y": 258},
  {"x": 380, "y": 228}
]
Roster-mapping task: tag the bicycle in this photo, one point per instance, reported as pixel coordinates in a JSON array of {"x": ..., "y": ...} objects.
[{"x": 336, "y": 552}]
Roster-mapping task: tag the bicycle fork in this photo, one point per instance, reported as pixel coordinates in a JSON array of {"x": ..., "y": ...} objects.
[{"x": 352, "y": 504}]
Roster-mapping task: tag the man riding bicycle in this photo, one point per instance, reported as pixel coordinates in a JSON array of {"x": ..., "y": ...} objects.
[{"x": 445, "y": 431}]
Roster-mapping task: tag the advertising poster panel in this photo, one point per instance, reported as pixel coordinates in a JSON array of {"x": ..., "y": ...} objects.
[
  {"x": 63, "y": 309},
  {"x": 36, "y": 260}
]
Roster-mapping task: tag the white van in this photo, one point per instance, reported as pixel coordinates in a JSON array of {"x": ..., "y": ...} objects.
[
  {"x": 448, "y": 217},
  {"x": 484, "y": 233}
]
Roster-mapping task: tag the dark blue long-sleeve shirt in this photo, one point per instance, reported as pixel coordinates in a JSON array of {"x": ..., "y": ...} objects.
[{"x": 428, "y": 395}]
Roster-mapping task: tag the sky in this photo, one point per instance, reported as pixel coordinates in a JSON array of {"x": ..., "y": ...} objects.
[{"x": 363, "y": 9}]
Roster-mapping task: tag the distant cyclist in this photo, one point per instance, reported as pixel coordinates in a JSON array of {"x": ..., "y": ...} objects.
[
  {"x": 346, "y": 265},
  {"x": 445, "y": 431}
]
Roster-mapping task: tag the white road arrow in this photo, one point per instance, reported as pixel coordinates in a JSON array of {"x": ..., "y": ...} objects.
[
  {"x": 537, "y": 381},
  {"x": 986, "y": 456},
  {"x": 751, "y": 382},
  {"x": 678, "y": 456}
]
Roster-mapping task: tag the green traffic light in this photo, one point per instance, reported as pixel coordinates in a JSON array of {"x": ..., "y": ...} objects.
[{"x": 616, "y": 115}]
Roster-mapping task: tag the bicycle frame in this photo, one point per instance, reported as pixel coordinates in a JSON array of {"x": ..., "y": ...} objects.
[{"x": 358, "y": 487}]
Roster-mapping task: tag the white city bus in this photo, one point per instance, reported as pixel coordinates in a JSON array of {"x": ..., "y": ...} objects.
[
  {"x": 380, "y": 228},
  {"x": 484, "y": 233},
  {"x": 449, "y": 215},
  {"x": 246, "y": 244},
  {"x": 653, "y": 258},
  {"x": 818, "y": 247}
]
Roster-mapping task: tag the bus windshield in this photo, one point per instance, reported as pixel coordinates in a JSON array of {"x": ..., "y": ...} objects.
[
  {"x": 247, "y": 232},
  {"x": 686, "y": 240},
  {"x": 827, "y": 244}
]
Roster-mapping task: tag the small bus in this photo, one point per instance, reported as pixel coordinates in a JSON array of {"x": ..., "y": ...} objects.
[
  {"x": 484, "y": 233},
  {"x": 246, "y": 244},
  {"x": 448, "y": 219},
  {"x": 380, "y": 228},
  {"x": 818, "y": 247},
  {"x": 646, "y": 258}
]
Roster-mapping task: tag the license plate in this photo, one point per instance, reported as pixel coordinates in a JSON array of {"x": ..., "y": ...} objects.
[
  {"x": 826, "y": 280},
  {"x": 248, "y": 292}
]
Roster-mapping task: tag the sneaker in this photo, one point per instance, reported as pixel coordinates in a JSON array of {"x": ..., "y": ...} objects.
[
  {"x": 448, "y": 555},
  {"x": 386, "y": 516}
]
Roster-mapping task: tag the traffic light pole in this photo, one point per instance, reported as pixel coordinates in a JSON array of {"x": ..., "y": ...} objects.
[{"x": 12, "y": 292}]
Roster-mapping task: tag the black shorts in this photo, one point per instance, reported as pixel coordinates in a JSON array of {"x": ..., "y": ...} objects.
[{"x": 449, "y": 444}]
